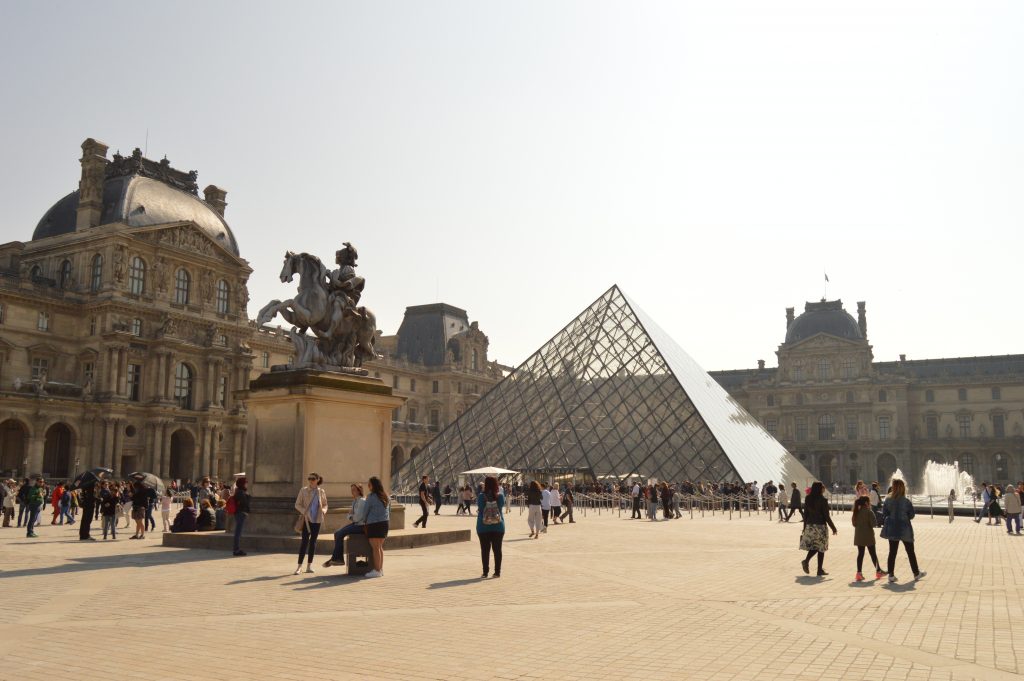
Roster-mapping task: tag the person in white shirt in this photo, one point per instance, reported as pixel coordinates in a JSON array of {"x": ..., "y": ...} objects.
[
  {"x": 545, "y": 505},
  {"x": 783, "y": 498},
  {"x": 556, "y": 504},
  {"x": 635, "y": 493}
]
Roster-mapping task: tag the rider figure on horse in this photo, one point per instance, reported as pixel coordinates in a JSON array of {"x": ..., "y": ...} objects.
[{"x": 343, "y": 281}]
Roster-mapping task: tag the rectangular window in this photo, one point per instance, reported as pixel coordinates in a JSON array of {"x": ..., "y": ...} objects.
[
  {"x": 396, "y": 414},
  {"x": 134, "y": 381},
  {"x": 998, "y": 426},
  {"x": 964, "y": 421},
  {"x": 826, "y": 427},
  {"x": 136, "y": 327},
  {"x": 412, "y": 414},
  {"x": 222, "y": 340},
  {"x": 772, "y": 426},
  {"x": 801, "y": 429},
  {"x": 265, "y": 360},
  {"x": 92, "y": 326},
  {"x": 43, "y": 321},
  {"x": 798, "y": 373},
  {"x": 961, "y": 394},
  {"x": 435, "y": 419},
  {"x": 87, "y": 372},
  {"x": 929, "y": 395},
  {"x": 40, "y": 365},
  {"x": 849, "y": 368},
  {"x": 394, "y": 382},
  {"x": 883, "y": 427},
  {"x": 932, "y": 427},
  {"x": 824, "y": 369},
  {"x": 851, "y": 428},
  {"x": 434, "y": 387},
  {"x": 222, "y": 390},
  {"x": 997, "y": 393},
  {"x": 460, "y": 387},
  {"x": 412, "y": 385}
]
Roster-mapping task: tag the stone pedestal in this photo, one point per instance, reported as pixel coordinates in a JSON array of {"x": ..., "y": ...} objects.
[{"x": 303, "y": 421}]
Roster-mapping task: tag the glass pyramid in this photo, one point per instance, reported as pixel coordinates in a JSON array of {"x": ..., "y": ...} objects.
[{"x": 610, "y": 397}]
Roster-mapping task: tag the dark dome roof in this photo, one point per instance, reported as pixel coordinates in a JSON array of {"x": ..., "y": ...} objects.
[
  {"x": 140, "y": 202},
  {"x": 824, "y": 317}
]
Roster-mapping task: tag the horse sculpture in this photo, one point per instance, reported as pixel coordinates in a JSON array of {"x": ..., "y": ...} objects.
[{"x": 343, "y": 335}]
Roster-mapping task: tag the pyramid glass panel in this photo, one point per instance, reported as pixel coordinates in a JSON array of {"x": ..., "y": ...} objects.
[{"x": 611, "y": 396}]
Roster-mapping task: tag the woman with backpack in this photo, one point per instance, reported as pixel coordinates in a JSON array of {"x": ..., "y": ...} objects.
[
  {"x": 490, "y": 524},
  {"x": 864, "y": 535},
  {"x": 897, "y": 513},
  {"x": 814, "y": 538}
]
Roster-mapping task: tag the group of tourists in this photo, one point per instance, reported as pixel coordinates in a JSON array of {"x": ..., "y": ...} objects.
[
  {"x": 897, "y": 514},
  {"x": 999, "y": 504}
]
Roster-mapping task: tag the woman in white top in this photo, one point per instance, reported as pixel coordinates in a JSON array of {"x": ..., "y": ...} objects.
[
  {"x": 311, "y": 503},
  {"x": 556, "y": 504},
  {"x": 782, "y": 499},
  {"x": 165, "y": 509}
]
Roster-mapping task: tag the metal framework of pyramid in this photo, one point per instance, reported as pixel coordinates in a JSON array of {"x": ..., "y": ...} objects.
[{"x": 611, "y": 396}]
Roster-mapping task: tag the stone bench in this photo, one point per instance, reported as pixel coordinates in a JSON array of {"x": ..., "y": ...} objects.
[{"x": 357, "y": 547}]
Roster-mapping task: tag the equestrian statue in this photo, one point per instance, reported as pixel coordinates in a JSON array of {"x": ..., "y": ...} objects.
[{"x": 327, "y": 304}]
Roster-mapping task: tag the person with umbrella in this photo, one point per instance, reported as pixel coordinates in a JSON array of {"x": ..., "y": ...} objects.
[
  {"x": 140, "y": 501},
  {"x": 88, "y": 509},
  {"x": 35, "y": 497}
]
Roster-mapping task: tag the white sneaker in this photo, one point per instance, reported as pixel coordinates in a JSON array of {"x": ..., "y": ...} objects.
[
  {"x": 298, "y": 570},
  {"x": 373, "y": 573},
  {"x": 920, "y": 575},
  {"x": 309, "y": 568},
  {"x": 892, "y": 579}
]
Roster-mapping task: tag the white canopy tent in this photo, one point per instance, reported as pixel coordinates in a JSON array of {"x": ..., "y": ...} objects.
[{"x": 489, "y": 470}]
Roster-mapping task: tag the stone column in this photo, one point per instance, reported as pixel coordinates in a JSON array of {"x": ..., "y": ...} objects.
[
  {"x": 107, "y": 453},
  {"x": 118, "y": 443},
  {"x": 111, "y": 385},
  {"x": 122, "y": 371},
  {"x": 237, "y": 463},
  {"x": 34, "y": 453},
  {"x": 214, "y": 446},
  {"x": 211, "y": 396},
  {"x": 159, "y": 392},
  {"x": 203, "y": 460},
  {"x": 165, "y": 457}
]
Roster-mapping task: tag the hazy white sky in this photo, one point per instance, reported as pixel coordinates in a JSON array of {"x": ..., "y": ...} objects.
[{"x": 516, "y": 159}]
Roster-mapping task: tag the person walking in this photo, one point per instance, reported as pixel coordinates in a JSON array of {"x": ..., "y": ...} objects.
[
  {"x": 864, "y": 536},
  {"x": 794, "y": 503},
  {"x": 356, "y": 521},
  {"x": 490, "y": 524},
  {"x": 139, "y": 501},
  {"x": 986, "y": 499},
  {"x": 545, "y": 505},
  {"x": 437, "y": 497},
  {"x": 35, "y": 497},
  {"x": 23, "y": 501},
  {"x": 10, "y": 492},
  {"x": 311, "y": 503},
  {"x": 425, "y": 501},
  {"x": 165, "y": 509},
  {"x": 950, "y": 500},
  {"x": 634, "y": 493},
  {"x": 534, "y": 496},
  {"x": 567, "y": 502},
  {"x": 378, "y": 519},
  {"x": 243, "y": 506},
  {"x": 898, "y": 513},
  {"x": 1012, "y": 505},
  {"x": 875, "y": 496},
  {"x": 108, "y": 511},
  {"x": 814, "y": 538},
  {"x": 783, "y": 499},
  {"x": 88, "y": 510},
  {"x": 556, "y": 504}
]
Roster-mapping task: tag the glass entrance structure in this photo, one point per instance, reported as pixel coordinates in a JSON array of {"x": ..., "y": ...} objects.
[{"x": 610, "y": 396}]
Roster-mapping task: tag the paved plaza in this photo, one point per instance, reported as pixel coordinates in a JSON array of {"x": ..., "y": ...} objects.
[{"x": 607, "y": 597}]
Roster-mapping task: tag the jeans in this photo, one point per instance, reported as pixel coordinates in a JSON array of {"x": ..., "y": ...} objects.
[
  {"x": 423, "y": 518},
  {"x": 567, "y": 512},
  {"x": 894, "y": 547},
  {"x": 22, "y": 514},
  {"x": 32, "y": 519},
  {"x": 150, "y": 523},
  {"x": 65, "y": 512},
  {"x": 1015, "y": 517},
  {"x": 86, "y": 526},
  {"x": 310, "y": 531},
  {"x": 239, "y": 524},
  {"x": 491, "y": 541},
  {"x": 110, "y": 524},
  {"x": 339, "y": 540}
]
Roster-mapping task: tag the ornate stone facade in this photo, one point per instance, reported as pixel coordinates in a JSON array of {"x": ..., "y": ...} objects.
[
  {"x": 124, "y": 334},
  {"x": 849, "y": 418}
]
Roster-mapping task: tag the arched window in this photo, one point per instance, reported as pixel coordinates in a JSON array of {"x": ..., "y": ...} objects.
[
  {"x": 137, "y": 276},
  {"x": 826, "y": 427},
  {"x": 97, "y": 273},
  {"x": 183, "y": 385},
  {"x": 65, "y": 274},
  {"x": 35, "y": 273},
  {"x": 223, "y": 295},
  {"x": 182, "y": 283}
]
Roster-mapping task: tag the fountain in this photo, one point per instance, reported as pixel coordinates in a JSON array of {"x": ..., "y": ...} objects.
[
  {"x": 898, "y": 475},
  {"x": 939, "y": 478}
]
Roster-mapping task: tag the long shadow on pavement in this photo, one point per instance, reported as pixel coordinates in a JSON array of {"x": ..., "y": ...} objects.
[
  {"x": 124, "y": 560},
  {"x": 455, "y": 582},
  {"x": 326, "y": 582}
]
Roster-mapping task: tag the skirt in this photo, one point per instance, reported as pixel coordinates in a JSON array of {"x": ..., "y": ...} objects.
[
  {"x": 377, "y": 530},
  {"x": 814, "y": 538},
  {"x": 138, "y": 513}
]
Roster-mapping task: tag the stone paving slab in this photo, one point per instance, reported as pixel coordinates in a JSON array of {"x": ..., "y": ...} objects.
[{"x": 606, "y": 597}]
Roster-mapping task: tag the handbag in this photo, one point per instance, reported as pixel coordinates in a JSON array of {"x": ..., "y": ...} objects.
[{"x": 300, "y": 523}]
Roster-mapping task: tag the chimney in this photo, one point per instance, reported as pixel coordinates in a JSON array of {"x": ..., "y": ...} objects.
[
  {"x": 215, "y": 197},
  {"x": 862, "y": 318},
  {"x": 90, "y": 187},
  {"x": 903, "y": 358},
  {"x": 789, "y": 317},
  {"x": 760, "y": 364}
]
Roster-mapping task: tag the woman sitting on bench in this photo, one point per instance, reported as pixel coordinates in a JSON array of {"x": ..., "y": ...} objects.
[{"x": 356, "y": 518}]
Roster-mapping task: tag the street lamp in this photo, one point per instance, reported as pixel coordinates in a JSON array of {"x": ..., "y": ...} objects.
[
  {"x": 77, "y": 460},
  {"x": 24, "y": 467}
]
